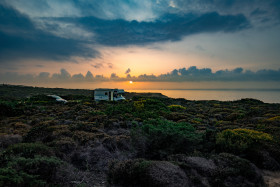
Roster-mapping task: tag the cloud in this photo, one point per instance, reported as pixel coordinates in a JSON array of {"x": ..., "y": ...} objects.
[
  {"x": 62, "y": 38},
  {"x": 20, "y": 39},
  {"x": 114, "y": 76},
  {"x": 62, "y": 30},
  {"x": 206, "y": 74},
  {"x": 64, "y": 75},
  {"x": 127, "y": 71},
  {"x": 97, "y": 65},
  {"x": 78, "y": 77},
  {"x": 144, "y": 10},
  {"x": 177, "y": 75},
  {"x": 89, "y": 76},
  {"x": 110, "y": 65},
  {"x": 44, "y": 75},
  {"x": 169, "y": 27}
]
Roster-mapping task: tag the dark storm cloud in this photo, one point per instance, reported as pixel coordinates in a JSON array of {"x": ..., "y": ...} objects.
[
  {"x": 168, "y": 27},
  {"x": 20, "y": 39},
  {"x": 35, "y": 30},
  {"x": 258, "y": 12}
]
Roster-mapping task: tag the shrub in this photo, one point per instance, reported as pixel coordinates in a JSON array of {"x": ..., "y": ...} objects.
[
  {"x": 276, "y": 118},
  {"x": 6, "y": 109},
  {"x": 139, "y": 105},
  {"x": 40, "y": 99},
  {"x": 128, "y": 172},
  {"x": 96, "y": 112},
  {"x": 27, "y": 150},
  {"x": 164, "y": 137},
  {"x": 64, "y": 144},
  {"x": 83, "y": 137},
  {"x": 141, "y": 172},
  {"x": 11, "y": 177},
  {"x": 153, "y": 105},
  {"x": 234, "y": 171},
  {"x": 240, "y": 140},
  {"x": 149, "y": 108},
  {"x": 88, "y": 127},
  {"x": 41, "y": 132},
  {"x": 9, "y": 139},
  {"x": 78, "y": 98},
  {"x": 27, "y": 164},
  {"x": 37, "y": 171},
  {"x": 39, "y": 165},
  {"x": 118, "y": 108},
  {"x": 9, "y": 109},
  {"x": 176, "y": 108}
]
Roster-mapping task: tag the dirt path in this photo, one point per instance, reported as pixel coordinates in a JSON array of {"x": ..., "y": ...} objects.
[{"x": 272, "y": 179}]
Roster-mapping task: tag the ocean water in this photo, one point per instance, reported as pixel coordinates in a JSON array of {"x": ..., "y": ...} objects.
[{"x": 265, "y": 95}]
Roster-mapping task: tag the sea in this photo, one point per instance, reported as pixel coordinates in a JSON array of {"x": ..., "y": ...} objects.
[
  {"x": 265, "y": 95},
  {"x": 268, "y": 92}
]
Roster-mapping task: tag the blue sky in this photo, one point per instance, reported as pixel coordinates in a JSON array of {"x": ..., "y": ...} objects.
[{"x": 151, "y": 38}]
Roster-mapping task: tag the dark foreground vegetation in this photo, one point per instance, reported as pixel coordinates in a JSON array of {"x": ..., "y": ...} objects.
[{"x": 142, "y": 141}]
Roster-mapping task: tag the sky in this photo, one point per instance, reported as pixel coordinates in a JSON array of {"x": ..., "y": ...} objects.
[{"x": 54, "y": 42}]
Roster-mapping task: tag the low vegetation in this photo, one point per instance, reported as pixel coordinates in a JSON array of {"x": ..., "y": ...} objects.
[
  {"x": 168, "y": 142},
  {"x": 241, "y": 140}
]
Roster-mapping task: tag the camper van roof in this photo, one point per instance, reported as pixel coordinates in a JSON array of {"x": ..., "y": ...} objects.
[
  {"x": 108, "y": 89},
  {"x": 103, "y": 89}
]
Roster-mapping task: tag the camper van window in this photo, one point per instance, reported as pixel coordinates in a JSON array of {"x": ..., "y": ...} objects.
[{"x": 106, "y": 93}]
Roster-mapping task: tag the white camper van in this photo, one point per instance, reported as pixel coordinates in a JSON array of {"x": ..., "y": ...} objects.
[{"x": 108, "y": 94}]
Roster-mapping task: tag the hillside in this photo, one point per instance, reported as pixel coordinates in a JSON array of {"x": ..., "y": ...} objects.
[{"x": 146, "y": 140}]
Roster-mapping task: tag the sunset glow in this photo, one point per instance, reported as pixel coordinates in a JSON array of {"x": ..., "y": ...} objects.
[{"x": 171, "y": 41}]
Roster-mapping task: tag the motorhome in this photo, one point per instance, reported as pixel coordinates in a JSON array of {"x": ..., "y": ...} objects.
[{"x": 108, "y": 94}]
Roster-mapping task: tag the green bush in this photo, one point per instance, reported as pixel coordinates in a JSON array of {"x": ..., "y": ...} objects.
[
  {"x": 88, "y": 127},
  {"x": 41, "y": 132},
  {"x": 9, "y": 109},
  {"x": 27, "y": 164},
  {"x": 37, "y": 171},
  {"x": 149, "y": 108},
  {"x": 177, "y": 108},
  {"x": 163, "y": 137},
  {"x": 11, "y": 177},
  {"x": 27, "y": 150},
  {"x": 152, "y": 105},
  {"x": 241, "y": 140},
  {"x": 40, "y": 99},
  {"x": 116, "y": 108},
  {"x": 39, "y": 165},
  {"x": 78, "y": 98}
]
